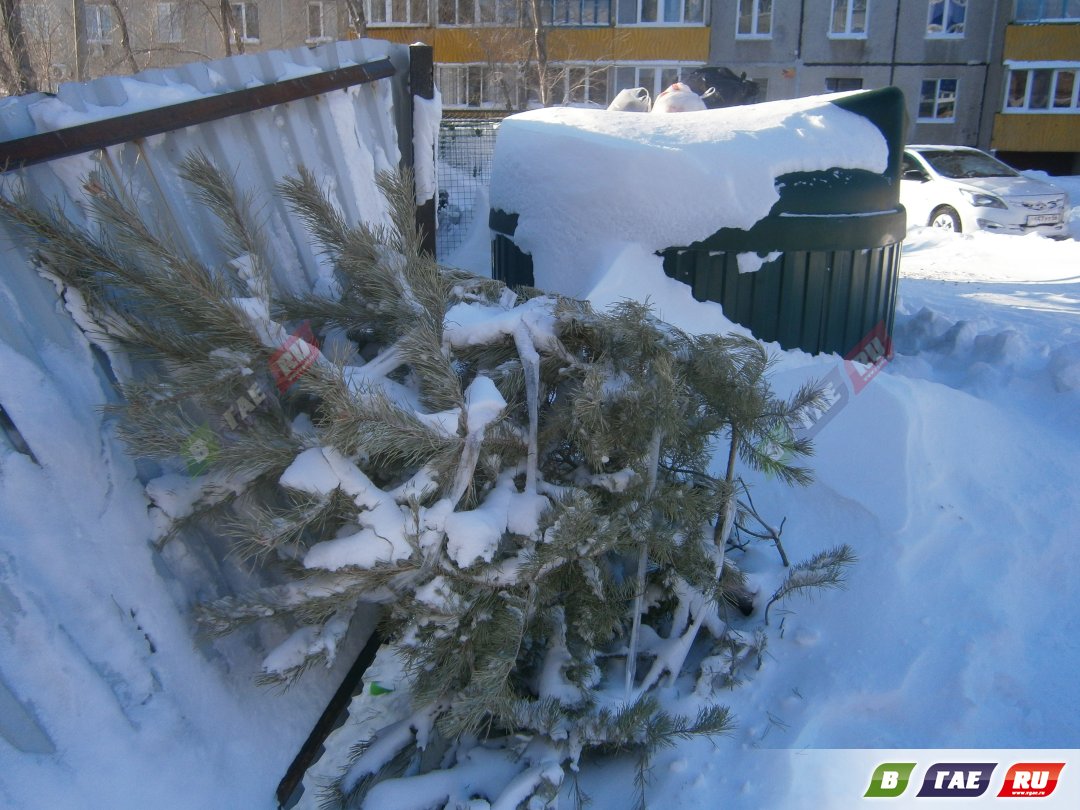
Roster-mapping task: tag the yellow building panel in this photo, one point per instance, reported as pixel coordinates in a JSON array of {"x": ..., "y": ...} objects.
[
  {"x": 403, "y": 36},
  {"x": 477, "y": 44},
  {"x": 689, "y": 44},
  {"x": 582, "y": 44},
  {"x": 629, "y": 44},
  {"x": 1042, "y": 43},
  {"x": 1015, "y": 132},
  {"x": 606, "y": 44}
]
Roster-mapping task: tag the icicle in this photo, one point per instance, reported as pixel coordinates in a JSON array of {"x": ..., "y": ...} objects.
[
  {"x": 726, "y": 519},
  {"x": 643, "y": 562},
  {"x": 483, "y": 404},
  {"x": 470, "y": 455}
]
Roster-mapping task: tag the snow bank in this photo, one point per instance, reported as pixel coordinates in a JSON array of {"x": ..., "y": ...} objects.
[
  {"x": 107, "y": 696},
  {"x": 584, "y": 182},
  {"x": 952, "y": 474}
]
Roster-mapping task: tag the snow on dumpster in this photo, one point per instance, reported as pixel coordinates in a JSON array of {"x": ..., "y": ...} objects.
[{"x": 576, "y": 191}]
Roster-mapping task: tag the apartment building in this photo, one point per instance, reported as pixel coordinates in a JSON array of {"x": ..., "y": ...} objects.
[
  {"x": 1036, "y": 119},
  {"x": 999, "y": 74},
  {"x": 131, "y": 35},
  {"x": 941, "y": 53},
  {"x": 491, "y": 55}
]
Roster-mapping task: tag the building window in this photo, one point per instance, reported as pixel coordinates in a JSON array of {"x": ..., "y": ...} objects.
[
  {"x": 480, "y": 86},
  {"x": 576, "y": 12},
  {"x": 946, "y": 18},
  {"x": 167, "y": 22},
  {"x": 99, "y": 23},
  {"x": 848, "y": 18},
  {"x": 661, "y": 12},
  {"x": 316, "y": 14},
  {"x": 1029, "y": 11},
  {"x": 654, "y": 79},
  {"x": 246, "y": 20},
  {"x": 842, "y": 85},
  {"x": 1043, "y": 90},
  {"x": 583, "y": 84},
  {"x": 755, "y": 19},
  {"x": 402, "y": 12},
  {"x": 937, "y": 101},
  {"x": 461, "y": 85},
  {"x": 468, "y": 12}
]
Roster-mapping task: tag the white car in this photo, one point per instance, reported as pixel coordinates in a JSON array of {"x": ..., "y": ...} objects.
[{"x": 963, "y": 189}]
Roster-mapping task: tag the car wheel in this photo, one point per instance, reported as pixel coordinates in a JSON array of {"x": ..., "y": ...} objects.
[{"x": 945, "y": 218}]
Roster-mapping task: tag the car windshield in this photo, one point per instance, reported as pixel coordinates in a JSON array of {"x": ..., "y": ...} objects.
[{"x": 967, "y": 164}]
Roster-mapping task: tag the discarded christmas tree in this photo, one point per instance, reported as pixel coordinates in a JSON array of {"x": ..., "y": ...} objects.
[{"x": 523, "y": 483}]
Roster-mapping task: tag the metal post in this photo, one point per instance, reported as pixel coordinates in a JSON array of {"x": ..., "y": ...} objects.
[{"x": 422, "y": 85}]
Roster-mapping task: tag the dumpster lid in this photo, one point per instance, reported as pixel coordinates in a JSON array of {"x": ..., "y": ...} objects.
[{"x": 583, "y": 182}]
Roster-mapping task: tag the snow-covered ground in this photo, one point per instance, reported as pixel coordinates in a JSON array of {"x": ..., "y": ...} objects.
[{"x": 954, "y": 474}]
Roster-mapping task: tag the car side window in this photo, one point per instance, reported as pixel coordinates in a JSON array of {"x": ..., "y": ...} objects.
[{"x": 912, "y": 170}]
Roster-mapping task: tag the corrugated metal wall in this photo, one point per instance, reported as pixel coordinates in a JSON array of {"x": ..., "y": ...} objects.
[
  {"x": 343, "y": 136},
  {"x": 52, "y": 382}
]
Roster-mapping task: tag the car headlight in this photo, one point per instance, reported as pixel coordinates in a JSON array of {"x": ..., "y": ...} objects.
[{"x": 981, "y": 199}]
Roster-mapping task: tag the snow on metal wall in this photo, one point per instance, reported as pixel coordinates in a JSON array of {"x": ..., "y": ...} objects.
[
  {"x": 96, "y": 664},
  {"x": 343, "y": 136}
]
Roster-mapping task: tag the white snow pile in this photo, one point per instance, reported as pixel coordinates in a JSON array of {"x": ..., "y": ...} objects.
[
  {"x": 953, "y": 475},
  {"x": 585, "y": 183}
]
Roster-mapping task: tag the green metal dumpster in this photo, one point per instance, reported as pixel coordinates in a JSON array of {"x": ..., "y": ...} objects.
[{"x": 830, "y": 245}]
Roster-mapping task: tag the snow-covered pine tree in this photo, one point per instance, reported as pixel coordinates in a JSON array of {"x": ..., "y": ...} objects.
[{"x": 521, "y": 482}]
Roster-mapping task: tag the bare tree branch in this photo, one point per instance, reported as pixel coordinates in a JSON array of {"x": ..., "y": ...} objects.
[
  {"x": 125, "y": 38},
  {"x": 20, "y": 70}
]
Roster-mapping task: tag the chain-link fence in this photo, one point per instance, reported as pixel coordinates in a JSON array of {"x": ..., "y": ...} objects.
[{"x": 465, "y": 150}]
